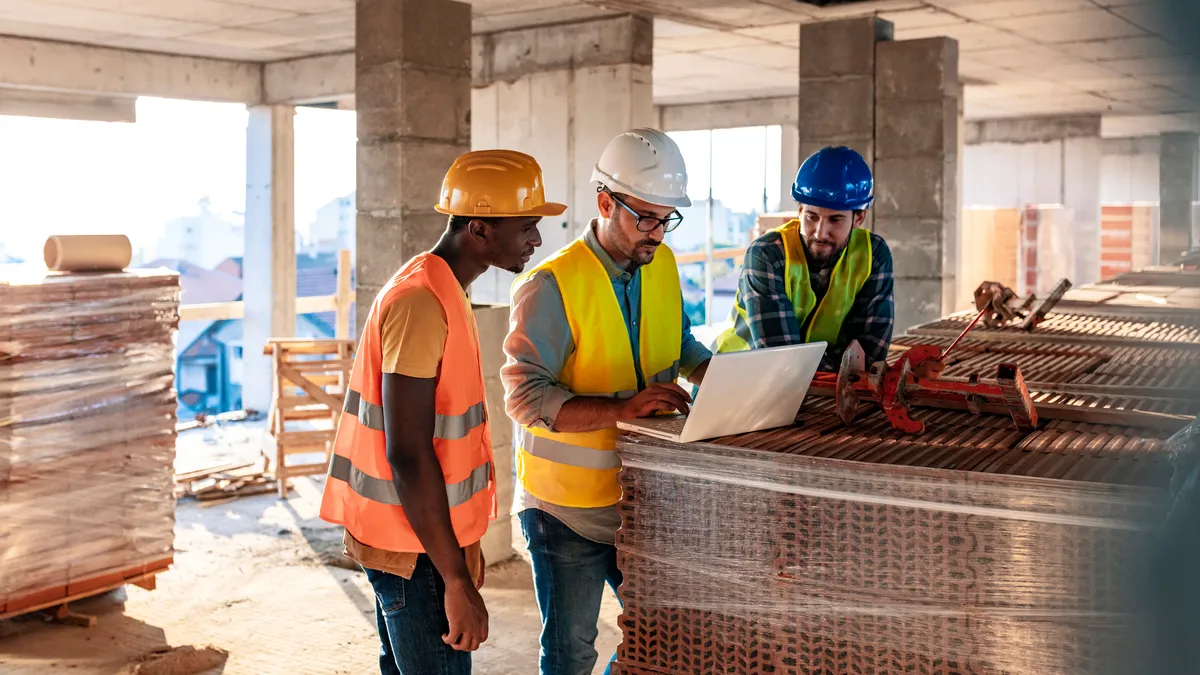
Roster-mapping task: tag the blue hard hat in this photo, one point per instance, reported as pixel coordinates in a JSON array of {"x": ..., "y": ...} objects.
[{"x": 835, "y": 178}]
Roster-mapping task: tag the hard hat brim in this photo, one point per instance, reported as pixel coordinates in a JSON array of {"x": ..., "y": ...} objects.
[
  {"x": 680, "y": 202},
  {"x": 831, "y": 205},
  {"x": 547, "y": 209}
]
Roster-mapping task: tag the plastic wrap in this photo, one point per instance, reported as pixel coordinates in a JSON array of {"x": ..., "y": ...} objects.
[
  {"x": 87, "y": 431},
  {"x": 929, "y": 555}
]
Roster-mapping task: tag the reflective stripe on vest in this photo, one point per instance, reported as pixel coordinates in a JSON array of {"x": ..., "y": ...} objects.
[
  {"x": 849, "y": 276},
  {"x": 565, "y": 453},
  {"x": 360, "y": 492},
  {"x": 385, "y": 492},
  {"x": 448, "y": 427},
  {"x": 580, "y": 469}
]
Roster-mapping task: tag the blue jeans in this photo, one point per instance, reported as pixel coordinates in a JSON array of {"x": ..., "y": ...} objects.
[
  {"x": 569, "y": 573},
  {"x": 411, "y": 617}
]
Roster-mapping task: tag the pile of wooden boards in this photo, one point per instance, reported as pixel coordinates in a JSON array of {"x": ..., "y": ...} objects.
[
  {"x": 227, "y": 481},
  {"x": 87, "y": 432}
]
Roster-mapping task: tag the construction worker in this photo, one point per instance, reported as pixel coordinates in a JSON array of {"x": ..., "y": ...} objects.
[
  {"x": 821, "y": 277},
  {"x": 412, "y": 477},
  {"x": 598, "y": 333}
]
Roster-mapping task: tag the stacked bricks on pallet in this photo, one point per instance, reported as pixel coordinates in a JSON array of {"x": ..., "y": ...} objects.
[
  {"x": 822, "y": 549},
  {"x": 87, "y": 432}
]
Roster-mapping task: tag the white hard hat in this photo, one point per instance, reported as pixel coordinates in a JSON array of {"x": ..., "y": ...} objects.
[{"x": 646, "y": 164}]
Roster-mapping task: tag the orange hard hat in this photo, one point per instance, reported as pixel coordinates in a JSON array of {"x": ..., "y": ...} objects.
[{"x": 495, "y": 184}]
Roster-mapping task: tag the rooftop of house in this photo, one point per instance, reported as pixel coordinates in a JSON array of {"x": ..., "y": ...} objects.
[{"x": 316, "y": 275}]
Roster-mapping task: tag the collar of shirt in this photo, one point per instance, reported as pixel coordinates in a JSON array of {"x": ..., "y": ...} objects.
[{"x": 593, "y": 242}]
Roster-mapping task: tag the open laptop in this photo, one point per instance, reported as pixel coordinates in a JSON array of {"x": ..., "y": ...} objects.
[{"x": 742, "y": 392}]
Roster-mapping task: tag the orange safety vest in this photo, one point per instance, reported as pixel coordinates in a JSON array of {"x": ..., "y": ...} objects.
[{"x": 359, "y": 491}]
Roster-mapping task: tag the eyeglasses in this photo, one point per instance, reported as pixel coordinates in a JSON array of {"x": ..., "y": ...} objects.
[{"x": 649, "y": 224}]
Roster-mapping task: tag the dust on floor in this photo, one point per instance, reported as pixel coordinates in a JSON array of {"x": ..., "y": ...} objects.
[{"x": 250, "y": 578}]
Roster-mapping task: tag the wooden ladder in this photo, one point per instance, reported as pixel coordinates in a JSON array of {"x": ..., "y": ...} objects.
[{"x": 311, "y": 379}]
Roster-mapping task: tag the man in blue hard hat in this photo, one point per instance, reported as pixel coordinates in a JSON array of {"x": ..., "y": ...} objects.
[{"x": 821, "y": 277}]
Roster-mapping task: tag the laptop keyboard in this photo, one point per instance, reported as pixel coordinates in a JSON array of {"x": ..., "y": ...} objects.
[{"x": 671, "y": 425}]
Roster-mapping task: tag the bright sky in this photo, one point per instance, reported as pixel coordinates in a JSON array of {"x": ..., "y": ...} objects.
[
  {"x": 73, "y": 177},
  {"x": 742, "y": 161}
]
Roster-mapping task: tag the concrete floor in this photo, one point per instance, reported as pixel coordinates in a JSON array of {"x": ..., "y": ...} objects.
[{"x": 261, "y": 579}]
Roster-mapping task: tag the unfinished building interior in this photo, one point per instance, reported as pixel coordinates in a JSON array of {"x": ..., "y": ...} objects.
[{"x": 1023, "y": 142}]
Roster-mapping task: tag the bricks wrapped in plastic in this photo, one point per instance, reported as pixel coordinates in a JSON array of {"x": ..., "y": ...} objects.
[
  {"x": 87, "y": 431},
  {"x": 973, "y": 549}
]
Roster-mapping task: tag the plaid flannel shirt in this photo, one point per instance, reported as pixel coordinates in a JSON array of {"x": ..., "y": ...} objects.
[{"x": 773, "y": 320}]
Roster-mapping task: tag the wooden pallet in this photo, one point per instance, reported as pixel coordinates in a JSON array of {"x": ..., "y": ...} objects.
[
  {"x": 311, "y": 379},
  {"x": 57, "y": 597}
]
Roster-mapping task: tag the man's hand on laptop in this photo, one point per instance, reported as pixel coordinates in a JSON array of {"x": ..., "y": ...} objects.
[{"x": 659, "y": 397}]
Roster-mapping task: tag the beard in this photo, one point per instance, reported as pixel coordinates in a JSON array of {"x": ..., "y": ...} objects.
[
  {"x": 641, "y": 252},
  {"x": 828, "y": 254}
]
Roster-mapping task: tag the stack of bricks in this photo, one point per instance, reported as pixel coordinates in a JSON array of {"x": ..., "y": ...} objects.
[
  {"x": 87, "y": 432},
  {"x": 974, "y": 549},
  {"x": 899, "y": 104}
]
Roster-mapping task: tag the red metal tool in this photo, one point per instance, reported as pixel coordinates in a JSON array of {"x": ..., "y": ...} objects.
[{"x": 916, "y": 380}]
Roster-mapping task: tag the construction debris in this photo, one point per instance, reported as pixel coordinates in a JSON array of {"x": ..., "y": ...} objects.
[
  {"x": 202, "y": 420},
  {"x": 185, "y": 660},
  {"x": 225, "y": 481}
]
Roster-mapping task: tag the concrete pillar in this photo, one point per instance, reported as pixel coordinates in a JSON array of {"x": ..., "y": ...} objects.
[
  {"x": 413, "y": 102},
  {"x": 560, "y": 93},
  {"x": 789, "y": 163},
  {"x": 1083, "y": 159},
  {"x": 1178, "y": 181},
  {"x": 917, "y": 205},
  {"x": 899, "y": 104},
  {"x": 837, "y": 85},
  {"x": 269, "y": 269}
]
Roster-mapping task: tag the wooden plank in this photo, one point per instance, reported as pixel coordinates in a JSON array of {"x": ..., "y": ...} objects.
[
  {"x": 297, "y": 438},
  {"x": 325, "y": 380},
  {"x": 62, "y": 596},
  {"x": 309, "y": 388},
  {"x": 305, "y": 414},
  {"x": 718, "y": 254},
  {"x": 321, "y": 366},
  {"x": 307, "y": 469},
  {"x": 213, "y": 311},
  {"x": 205, "y": 473}
]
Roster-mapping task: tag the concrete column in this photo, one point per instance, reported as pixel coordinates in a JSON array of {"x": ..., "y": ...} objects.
[
  {"x": 269, "y": 276},
  {"x": 837, "y": 85},
  {"x": 560, "y": 93},
  {"x": 1082, "y": 161},
  {"x": 917, "y": 206},
  {"x": 789, "y": 164},
  {"x": 413, "y": 102},
  {"x": 1178, "y": 181}
]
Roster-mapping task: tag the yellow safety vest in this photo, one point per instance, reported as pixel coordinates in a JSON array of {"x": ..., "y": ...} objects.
[
  {"x": 580, "y": 469},
  {"x": 849, "y": 275}
]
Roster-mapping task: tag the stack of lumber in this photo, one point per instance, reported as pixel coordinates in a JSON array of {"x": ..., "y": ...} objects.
[
  {"x": 226, "y": 481},
  {"x": 87, "y": 432}
]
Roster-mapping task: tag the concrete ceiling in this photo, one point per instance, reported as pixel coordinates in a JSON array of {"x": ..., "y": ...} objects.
[{"x": 1018, "y": 57}]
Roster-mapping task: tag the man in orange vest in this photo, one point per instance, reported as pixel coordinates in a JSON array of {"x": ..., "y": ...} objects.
[{"x": 412, "y": 477}]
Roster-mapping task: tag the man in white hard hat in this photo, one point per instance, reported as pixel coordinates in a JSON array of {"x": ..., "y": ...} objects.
[{"x": 598, "y": 334}]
